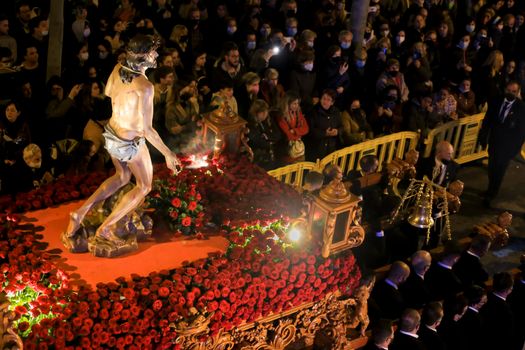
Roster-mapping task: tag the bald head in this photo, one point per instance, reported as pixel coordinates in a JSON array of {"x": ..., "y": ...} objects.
[
  {"x": 410, "y": 320},
  {"x": 399, "y": 272},
  {"x": 444, "y": 151},
  {"x": 421, "y": 262}
]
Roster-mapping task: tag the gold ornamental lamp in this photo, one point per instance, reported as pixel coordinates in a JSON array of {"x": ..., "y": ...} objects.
[
  {"x": 335, "y": 218},
  {"x": 225, "y": 129}
]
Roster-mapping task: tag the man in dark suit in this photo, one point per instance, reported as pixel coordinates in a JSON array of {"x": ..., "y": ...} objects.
[
  {"x": 382, "y": 335},
  {"x": 406, "y": 337},
  {"x": 469, "y": 268},
  {"x": 440, "y": 169},
  {"x": 449, "y": 329},
  {"x": 415, "y": 290},
  {"x": 503, "y": 130},
  {"x": 431, "y": 319},
  {"x": 386, "y": 293},
  {"x": 443, "y": 282},
  {"x": 470, "y": 324},
  {"x": 517, "y": 303},
  {"x": 497, "y": 317}
]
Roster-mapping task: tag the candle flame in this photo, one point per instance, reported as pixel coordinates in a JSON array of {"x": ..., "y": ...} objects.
[{"x": 198, "y": 161}]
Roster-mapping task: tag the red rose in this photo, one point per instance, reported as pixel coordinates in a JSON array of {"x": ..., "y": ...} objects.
[
  {"x": 176, "y": 202},
  {"x": 186, "y": 221},
  {"x": 164, "y": 292},
  {"x": 174, "y": 215},
  {"x": 192, "y": 206},
  {"x": 157, "y": 305}
]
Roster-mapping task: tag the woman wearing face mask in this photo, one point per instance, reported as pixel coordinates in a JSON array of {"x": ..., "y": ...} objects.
[
  {"x": 334, "y": 74},
  {"x": 264, "y": 135},
  {"x": 399, "y": 45},
  {"x": 303, "y": 79},
  {"x": 104, "y": 60},
  {"x": 76, "y": 70},
  {"x": 14, "y": 130},
  {"x": 466, "y": 99},
  {"x": 325, "y": 127},
  {"x": 356, "y": 128},
  {"x": 386, "y": 116},
  {"x": 488, "y": 81},
  {"x": 460, "y": 60},
  {"x": 272, "y": 90},
  {"x": 14, "y": 136},
  {"x": 293, "y": 125},
  {"x": 418, "y": 73},
  {"x": 179, "y": 40}
]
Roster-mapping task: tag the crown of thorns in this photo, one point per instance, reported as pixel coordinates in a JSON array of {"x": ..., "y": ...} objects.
[{"x": 143, "y": 44}]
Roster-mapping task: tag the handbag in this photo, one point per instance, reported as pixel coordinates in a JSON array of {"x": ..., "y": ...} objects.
[{"x": 296, "y": 148}]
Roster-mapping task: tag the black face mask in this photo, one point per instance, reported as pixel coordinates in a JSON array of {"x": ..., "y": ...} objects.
[
  {"x": 290, "y": 13},
  {"x": 510, "y": 96},
  {"x": 393, "y": 73},
  {"x": 445, "y": 161}
]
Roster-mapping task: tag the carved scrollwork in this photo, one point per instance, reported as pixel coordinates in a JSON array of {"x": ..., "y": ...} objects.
[
  {"x": 332, "y": 315},
  {"x": 9, "y": 339}
]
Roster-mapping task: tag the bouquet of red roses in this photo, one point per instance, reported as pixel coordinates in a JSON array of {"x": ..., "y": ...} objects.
[{"x": 177, "y": 201}]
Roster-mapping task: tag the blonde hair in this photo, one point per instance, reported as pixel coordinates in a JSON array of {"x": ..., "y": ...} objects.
[
  {"x": 177, "y": 32},
  {"x": 495, "y": 61}
]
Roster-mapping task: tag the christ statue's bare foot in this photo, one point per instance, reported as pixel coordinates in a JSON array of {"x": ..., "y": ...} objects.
[
  {"x": 73, "y": 226},
  {"x": 105, "y": 233}
]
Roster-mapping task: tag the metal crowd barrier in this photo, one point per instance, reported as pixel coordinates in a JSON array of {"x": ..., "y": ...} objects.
[
  {"x": 386, "y": 148},
  {"x": 462, "y": 134}
]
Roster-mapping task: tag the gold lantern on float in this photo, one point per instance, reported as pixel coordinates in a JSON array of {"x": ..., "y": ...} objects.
[
  {"x": 228, "y": 128},
  {"x": 335, "y": 218}
]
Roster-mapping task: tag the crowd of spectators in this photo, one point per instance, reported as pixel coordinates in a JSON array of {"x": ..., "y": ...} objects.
[{"x": 291, "y": 68}]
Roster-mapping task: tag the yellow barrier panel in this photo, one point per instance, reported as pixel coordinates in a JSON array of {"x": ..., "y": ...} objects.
[
  {"x": 385, "y": 148},
  {"x": 293, "y": 174},
  {"x": 462, "y": 134}
]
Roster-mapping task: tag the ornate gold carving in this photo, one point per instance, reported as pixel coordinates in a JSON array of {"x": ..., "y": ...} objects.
[
  {"x": 329, "y": 234},
  {"x": 9, "y": 339},
  {"x": 333, "y": 316},
  {"x": 335, "y": 192}
]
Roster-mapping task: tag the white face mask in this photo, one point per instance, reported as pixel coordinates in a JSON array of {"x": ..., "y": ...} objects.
[
  {"x": 400, "y": 39},
  {"x": 87, "y": 32},
  {"x": 45, "y": 32},
  {"x": 84, "y": 56},
  {"x": 308, "y": 67},
  {"x": 103, "y": 55}
]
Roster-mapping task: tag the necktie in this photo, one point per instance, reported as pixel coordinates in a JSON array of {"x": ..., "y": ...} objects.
[{"x": 503, "y": 111}]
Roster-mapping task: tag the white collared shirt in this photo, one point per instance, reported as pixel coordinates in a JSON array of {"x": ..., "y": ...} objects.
[
  {"x": 473, "y": 254},
  {"x": 390, "y": 283},
  {"x": 474, "y": 309},
  {"x": 439, "y": 169},
  {"x": 422, "y": 276},
  {"x": 499, "y": 296},
  {"x": 448, "y": 267},
  {"x": 410, "y": 334},
  {"x": 431, "y": 328}
]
